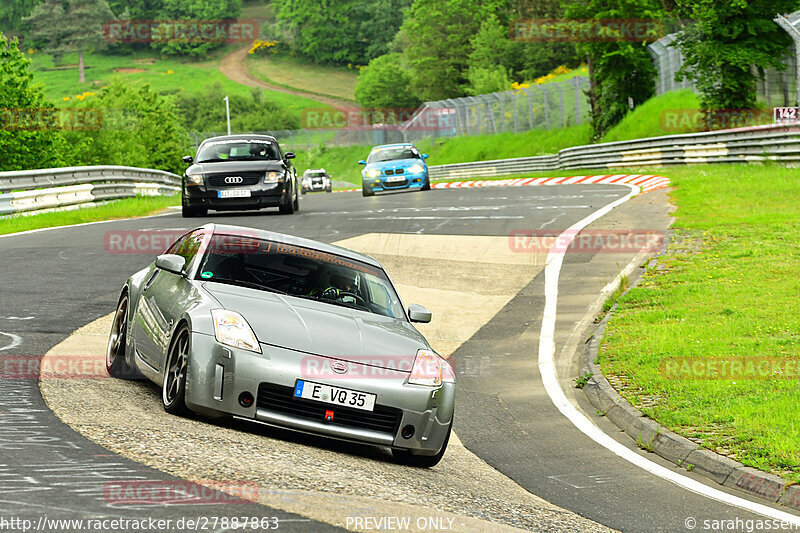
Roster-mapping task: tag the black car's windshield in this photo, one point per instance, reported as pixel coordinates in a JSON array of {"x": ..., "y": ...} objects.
[
  {"x": 392, "y": 153},
  {"x": 238, "y": 150},
  {"x": 301, "y": 272}
]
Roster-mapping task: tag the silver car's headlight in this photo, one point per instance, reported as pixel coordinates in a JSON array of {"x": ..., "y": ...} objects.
[
  {"x": 427, "y": 369},
  {"x": 273, "y": 177},
  {"x": 195, "y": 179},
  {"x": 416, "y": 169},
  {"x": 373, "y": 173},
  {"x": 232, "y": 329}
]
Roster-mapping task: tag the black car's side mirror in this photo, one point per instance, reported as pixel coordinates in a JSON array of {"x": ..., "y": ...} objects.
[
  {"x": 289, "y": 155},
  {"x": 188, "y": 159}
]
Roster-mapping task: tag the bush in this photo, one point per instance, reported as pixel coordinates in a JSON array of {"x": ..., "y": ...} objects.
[
  {"x": 140, "y": 128},
  {"x": 205, "y": 112},
  {"x": 21, "y": 149},
  {"x": 385, "y": 83}
]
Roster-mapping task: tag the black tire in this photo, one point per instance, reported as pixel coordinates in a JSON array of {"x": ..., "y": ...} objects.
[
  {"x": 427, "y": 185},
  {"x": 173, "y": 390},
  {"x": 296, "y": 204},
  {"x": 367, "y": 192},
  {"x": 288, "y": 207},
  {"x": 422, "y": 461},
  {"x": 329, "y": 189},
  {"x": 193, "y": 212},
  {"x": 116, "y": 365},
  {"x": 303, "y": 191}
]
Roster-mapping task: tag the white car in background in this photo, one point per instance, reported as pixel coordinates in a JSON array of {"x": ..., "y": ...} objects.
[{"x": 314, "y": 180}]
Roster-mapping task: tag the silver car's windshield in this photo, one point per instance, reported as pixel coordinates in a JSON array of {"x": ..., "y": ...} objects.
[{"x": 300, "y": 272}]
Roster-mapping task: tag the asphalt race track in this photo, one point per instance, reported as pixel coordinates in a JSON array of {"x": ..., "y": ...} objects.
[{"x": 447, "y": 249}]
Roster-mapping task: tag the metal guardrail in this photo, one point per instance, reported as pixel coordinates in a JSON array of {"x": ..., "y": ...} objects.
[
  {"x": 50, "y": 188},
  {"x": 780, "y": 143}
]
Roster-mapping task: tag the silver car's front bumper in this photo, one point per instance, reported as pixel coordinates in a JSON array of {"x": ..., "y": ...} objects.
[{"x": 218, "y": 375}]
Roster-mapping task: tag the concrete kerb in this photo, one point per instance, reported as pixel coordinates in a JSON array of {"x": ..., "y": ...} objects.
[{"x": 652, "y": 436}]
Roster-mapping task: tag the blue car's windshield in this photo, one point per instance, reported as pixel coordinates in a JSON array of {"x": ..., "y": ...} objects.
[
  {"x": 298, "y": 271},
  {"x": 392, "y": 153}
]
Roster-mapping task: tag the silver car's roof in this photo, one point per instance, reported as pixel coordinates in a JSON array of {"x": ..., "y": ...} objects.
[{"x": 226, "y": 229}]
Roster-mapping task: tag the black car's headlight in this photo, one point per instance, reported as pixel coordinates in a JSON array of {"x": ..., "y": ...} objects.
[
  {"x": 273, "y": 176},
  {"x": 194, "y": 179}
]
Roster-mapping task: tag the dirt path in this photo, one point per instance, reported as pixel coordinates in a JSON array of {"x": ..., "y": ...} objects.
[{"x": 234, "y": 66}]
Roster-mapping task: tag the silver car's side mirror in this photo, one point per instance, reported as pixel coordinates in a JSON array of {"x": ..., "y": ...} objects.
[
  {"x": 171, "y": 263},
  {"x": 418, "y": 313}
]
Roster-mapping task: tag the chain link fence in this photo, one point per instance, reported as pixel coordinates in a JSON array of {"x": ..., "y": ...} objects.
[
  {"x": 775, "y": 88},
  {"x": 544, "y": 106}
]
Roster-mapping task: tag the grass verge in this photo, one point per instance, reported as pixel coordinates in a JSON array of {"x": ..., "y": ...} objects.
[
  {"x": 726, "y": 289},
  {"x": 294, "y": 73},
  {"x": 126, "y": 208}
]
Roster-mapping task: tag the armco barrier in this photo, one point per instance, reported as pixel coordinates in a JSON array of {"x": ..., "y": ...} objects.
[
  {"x": 61, "y": 187},
  {"x": 780, "y": 143}
]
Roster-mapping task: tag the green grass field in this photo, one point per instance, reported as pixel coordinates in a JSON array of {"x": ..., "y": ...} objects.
[
  {"x": 293, "y": 73},
  {"x": 127, "y": 208},
  {"x": 163, "y": 75},
  {"x": 726, "y": 289}
]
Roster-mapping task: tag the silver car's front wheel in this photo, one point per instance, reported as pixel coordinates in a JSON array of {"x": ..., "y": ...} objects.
[
  {"x": 117, "y": 342},
  {"x": 174, "y": 389}
]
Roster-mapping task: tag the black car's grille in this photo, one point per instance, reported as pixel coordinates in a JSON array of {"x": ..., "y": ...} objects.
[
  {"x": 281, "y": 399},
  {"x": 396, "y": 183},
  {"x": 391, "y": 172},
  {"x": 247, "y": 178}
]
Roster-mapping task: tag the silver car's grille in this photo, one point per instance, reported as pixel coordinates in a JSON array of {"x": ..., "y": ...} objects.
[{"x": 282, "y": 400}]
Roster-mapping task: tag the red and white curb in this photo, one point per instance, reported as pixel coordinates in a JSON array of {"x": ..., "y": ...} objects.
[{"x": 646, "y": 182}]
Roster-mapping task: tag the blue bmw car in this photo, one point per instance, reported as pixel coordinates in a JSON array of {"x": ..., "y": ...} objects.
[{"x": 393, "y": 167}]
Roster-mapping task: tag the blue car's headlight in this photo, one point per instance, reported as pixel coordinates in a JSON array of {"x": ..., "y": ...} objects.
[
  {"x": 416, "y": 169},
  {"x": 373, "y": 173}
]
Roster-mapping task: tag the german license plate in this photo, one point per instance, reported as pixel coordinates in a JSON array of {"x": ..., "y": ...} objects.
[
  {"x": 334, "y": 395},
  {"x": 234, "y": 194},
  {"x": 395, "y": 178}
]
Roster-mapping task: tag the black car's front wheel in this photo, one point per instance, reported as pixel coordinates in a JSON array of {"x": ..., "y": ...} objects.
[
  {"x": 173, "y": 391},
  {"x": 189, "y": 211}
]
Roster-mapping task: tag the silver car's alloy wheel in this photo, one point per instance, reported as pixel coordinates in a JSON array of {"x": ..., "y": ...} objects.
[
  {"x": 174, "y": 388},
  {"x": 116, "y": 365}
]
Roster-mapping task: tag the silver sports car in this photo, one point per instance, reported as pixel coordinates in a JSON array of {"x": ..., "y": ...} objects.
[{"x": 289, "y": 332}]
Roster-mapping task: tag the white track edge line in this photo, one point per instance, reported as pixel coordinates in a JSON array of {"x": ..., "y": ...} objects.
[{"x": 579, "y": 420}]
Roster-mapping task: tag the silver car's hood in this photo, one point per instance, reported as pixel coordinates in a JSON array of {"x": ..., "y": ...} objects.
[{"x": 322, "y": 328}]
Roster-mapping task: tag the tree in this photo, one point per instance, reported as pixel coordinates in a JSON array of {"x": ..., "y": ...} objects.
[
  {"x": 24, "y": 147},
  {"x": 619, "y": 69},
  {"x": 437, "y": 34},
  {"x": 205, "y": 10},
  {"x": 341, "y": 31},
  {"x": 12, "y": 13},
  {"x": 70, "y": 26},
  {"x": 724, "y": 42},
  {"x": 385, "y": 83},
  {"x": 490, "y": 46}
]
